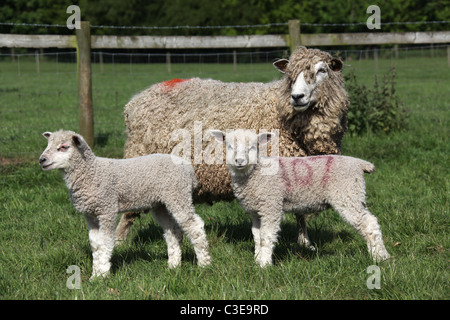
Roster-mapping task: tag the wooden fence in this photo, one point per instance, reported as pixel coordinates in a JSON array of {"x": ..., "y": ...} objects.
[
  {"x": 83, "y": 41},
  {"x": 292, "y": 40}
]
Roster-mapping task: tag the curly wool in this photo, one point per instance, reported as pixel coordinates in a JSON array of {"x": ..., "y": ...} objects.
[
  {"x": 152, "y": 116},
  {"x": 271, "y": 186},
  {"x": 100, "y": 188}
]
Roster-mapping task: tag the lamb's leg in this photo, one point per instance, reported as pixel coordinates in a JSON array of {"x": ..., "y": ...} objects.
[
  {"x": 124, "y": 226},
  {"x": 172, "y": 234},
  {"x": 367, "y": 225},
  {"x": 93, "y": 227},
  {"x": 101, "y": 238},
  {"x": 256, "y": 224},
  {"x": 303, "y": 238},
  {"x": 270, "y": 226},
  {"x": 193, "y": 226}
]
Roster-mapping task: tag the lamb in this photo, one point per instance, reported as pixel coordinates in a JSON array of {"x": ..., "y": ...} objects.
[
  {"x": 100, "y": 188},
  {"x": 268, "y": 186},
  {"x": 308, "y": 107}
]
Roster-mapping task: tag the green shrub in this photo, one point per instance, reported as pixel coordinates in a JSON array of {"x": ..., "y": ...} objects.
[{"x": 377, "y": 109}]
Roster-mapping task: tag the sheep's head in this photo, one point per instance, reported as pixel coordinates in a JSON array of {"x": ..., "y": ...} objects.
[
  {"x": 241, "y": 148},
  {"x": 306, "y": 70},
  {"x": 62, "y": 147}
]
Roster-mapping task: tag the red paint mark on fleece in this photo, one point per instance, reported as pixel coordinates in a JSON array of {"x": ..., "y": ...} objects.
[
  {"x": 169, "y": 85},
  {"x": 287, "y": 183},
  {"x": 326, "y": 175},
  {"x": 303, "y": 180},
  {"x": 328, "y": 164},
  {"x": 306, "y": 179},
  {"x": 301, "y": 165}
]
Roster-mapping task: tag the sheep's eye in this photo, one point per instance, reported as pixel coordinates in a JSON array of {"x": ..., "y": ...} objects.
[
  {"x": 321, "y": 70},
  {"x": 63, "y": 148}
]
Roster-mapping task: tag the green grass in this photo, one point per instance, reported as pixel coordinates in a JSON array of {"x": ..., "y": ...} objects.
[{"x": 42, "y": 234}]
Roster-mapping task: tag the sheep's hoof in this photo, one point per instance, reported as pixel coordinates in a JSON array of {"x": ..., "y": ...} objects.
[
  {"x": 379, "y": 257},
  {"x": 204, "y": 263},
  {"x": 264, "y": 264},
  {"x": 119, "y": 242},
  {"x": 96, "y": 276},
  {"x": 306, "y": 244},
  {"x": 174, "y": 264}
]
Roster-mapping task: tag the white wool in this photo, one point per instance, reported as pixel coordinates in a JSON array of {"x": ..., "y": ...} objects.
[
  {"x": 300, "y": 185},
  {"x": 101, "y": 188}
]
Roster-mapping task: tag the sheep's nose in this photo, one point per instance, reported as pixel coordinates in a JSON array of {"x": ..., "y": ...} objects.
[
  {"x": 239, "y": 162},
  {"x": 42, "y": 160},
  {"x": 297, "y": 97}
]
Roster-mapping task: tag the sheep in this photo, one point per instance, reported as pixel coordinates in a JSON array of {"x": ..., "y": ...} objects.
[
  {"x": 100, "y": 188},
  {"x": 308, "y": 107},
  {"x": 266, "y": 187}
]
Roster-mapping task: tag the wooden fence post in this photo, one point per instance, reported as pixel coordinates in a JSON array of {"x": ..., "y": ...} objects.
[
  {"x": 38, "y": 68},
  {"x": 168, "y": 62},
  {"x": 86, "y": 114},
  {"x": 234, "y": 61},
  {"x": 375, "y": 58},
  {"x": 294, "y": 34}
]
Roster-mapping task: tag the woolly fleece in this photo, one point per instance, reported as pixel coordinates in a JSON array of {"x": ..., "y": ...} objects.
[
  {"x": 100, "y": 188},
  {"x": 153, "y": 115},
  {"x": 299, "y": 185}
]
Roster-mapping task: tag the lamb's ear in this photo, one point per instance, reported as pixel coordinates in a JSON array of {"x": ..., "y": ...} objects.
[
  {"x": 265, "y": 137},
  {"x": 78, "y": 141},
  {"x": 336, "y": 64},
  {"x": 47, "y": 134},
  {"x": 281, "y": 65},
  {"x": 218, "y": 135}
]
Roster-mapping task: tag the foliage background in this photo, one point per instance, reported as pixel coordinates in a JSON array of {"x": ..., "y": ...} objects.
[{"x": 166, "y": 13}]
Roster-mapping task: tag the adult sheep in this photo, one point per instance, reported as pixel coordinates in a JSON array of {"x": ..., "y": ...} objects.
[{"x": 308, "y": 107}]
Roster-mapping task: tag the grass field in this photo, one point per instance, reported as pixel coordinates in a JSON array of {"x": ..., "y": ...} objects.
[{"x": 41, "y": 234}]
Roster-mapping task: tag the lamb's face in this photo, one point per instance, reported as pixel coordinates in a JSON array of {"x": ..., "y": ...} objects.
[
  {"x": 59, "y": 151},
  {"x": 306, "y": 75},
  {"x": 241, "y": 148}
]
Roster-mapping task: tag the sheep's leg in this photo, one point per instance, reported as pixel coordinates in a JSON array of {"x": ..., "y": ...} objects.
[
  {"x": 256, "y": 224},
  {"x": 101, "y": 238},
  {"x": 193, "y": 226},
  {"x": 303, "y": 238},
  {"x": 270, "y": 226},
  {"x": 124, "y": 226},
  {"x": 367, "y": 225},
  {"x": 93, "y": 227},
  {"x": 101, "y": 245},
  {"x": 172, "y": 234}
]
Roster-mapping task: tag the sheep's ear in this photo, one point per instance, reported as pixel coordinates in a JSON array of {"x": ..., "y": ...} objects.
[
  {"x": 336, "y": 65},
  {"x": 218, "y": 135},
  {"x": 265, "y": 137},
  {"x": 77, "y": 141},
  {"x": 281, "y": 65},
  {"x": 47, "y": 134}
]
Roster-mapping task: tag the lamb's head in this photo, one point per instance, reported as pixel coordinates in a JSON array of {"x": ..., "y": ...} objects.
[
  {"x": 242, "y": 150},
  {"x": 306, "y": 71},
  {"x": 63, "y": 151}
]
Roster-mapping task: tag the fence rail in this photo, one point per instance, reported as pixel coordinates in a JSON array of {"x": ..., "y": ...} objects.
[{"x": 216, "y": 42}]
